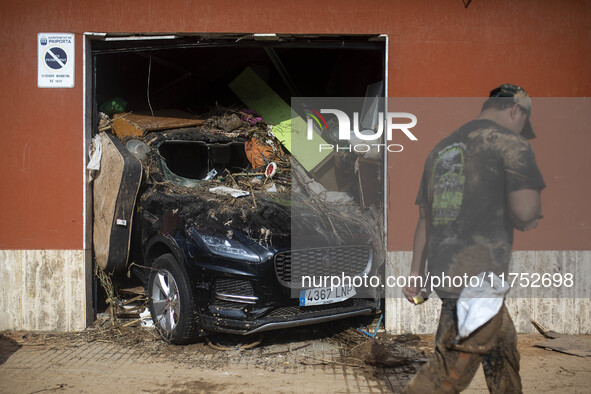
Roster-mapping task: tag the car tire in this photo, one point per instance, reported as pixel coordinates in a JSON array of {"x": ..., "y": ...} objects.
[{"x": 171, "y": 301}]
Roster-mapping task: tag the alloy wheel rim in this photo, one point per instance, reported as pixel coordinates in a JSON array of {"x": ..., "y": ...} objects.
[{"x": 165, "y": 300}]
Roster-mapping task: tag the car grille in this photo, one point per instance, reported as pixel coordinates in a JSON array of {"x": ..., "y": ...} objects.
[
  {"x": 299, "y": 311},
  {"x": 290, "y": 266}
]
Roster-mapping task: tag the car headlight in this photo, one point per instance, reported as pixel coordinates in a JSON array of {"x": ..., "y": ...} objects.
[{"x": 223, "y": 246}]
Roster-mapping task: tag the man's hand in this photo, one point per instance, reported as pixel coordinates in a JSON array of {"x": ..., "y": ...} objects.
[
  {"x": 415, "y": 295},
  {"x": 410, "y": 292},
  {"x": 419, "y": 255},
  {"x": 528, "y": 226}
]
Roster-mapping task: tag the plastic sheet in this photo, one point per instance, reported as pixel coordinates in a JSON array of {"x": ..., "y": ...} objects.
[{"x": 477, "y": 305}]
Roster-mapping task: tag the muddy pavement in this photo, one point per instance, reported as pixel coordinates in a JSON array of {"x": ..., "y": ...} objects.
[
  {"x": 325, "y": 358},
  {"x": 333, "y": 357}
]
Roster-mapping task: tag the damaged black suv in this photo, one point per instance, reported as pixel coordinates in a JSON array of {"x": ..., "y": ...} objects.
[{"x": 209, "y": 221}]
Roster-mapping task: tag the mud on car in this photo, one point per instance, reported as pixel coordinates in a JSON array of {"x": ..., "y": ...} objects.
[{"x": 206, "y": 218}]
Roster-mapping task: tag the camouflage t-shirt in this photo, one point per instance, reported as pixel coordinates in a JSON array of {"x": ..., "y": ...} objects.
[{"x": 466, "y": 180}]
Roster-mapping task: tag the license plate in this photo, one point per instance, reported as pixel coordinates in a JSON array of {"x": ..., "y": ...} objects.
[{"x": 326, "y": 295}]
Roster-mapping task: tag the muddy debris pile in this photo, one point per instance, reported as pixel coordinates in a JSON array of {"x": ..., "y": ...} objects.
[
  {"x": 226, "y": 165},
  {"x": 240, "y": 133}
]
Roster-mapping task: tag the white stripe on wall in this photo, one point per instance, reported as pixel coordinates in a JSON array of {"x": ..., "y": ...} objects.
[
  {"x": 44, "y": 290},
  {"x": 569, "y": 312}
]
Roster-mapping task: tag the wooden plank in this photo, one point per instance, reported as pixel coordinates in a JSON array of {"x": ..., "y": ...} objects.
[
  {"x": 130, "y": 124},
  {"x": 569, "y": 344}
]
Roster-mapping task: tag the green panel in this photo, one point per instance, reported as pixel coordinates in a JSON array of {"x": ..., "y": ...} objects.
[{"x": 257, "y": 95}]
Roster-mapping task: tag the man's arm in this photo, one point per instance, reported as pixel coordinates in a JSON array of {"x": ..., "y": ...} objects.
[
  {"x": 419, "y": 255},
  {"x": 525, "y": 207}
]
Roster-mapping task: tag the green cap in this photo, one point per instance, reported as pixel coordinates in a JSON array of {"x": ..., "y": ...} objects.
[{"x": 520, "y": 97}]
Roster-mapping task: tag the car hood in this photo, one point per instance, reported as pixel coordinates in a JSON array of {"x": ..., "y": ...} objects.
[{"x": 278, "y": 219}]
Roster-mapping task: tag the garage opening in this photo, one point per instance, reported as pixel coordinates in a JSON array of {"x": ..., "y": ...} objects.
[
  {"x": 187, "y": 76},
  {"x": 192, "y": 73}
]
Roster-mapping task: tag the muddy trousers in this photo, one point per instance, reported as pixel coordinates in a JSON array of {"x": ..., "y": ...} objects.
[{"x": 452, "y": 367}]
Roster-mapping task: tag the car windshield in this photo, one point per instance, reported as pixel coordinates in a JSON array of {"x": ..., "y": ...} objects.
[{"x": 186, "y": 163}]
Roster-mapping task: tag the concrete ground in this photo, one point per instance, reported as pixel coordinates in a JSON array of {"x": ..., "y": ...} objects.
[{"x": 318, "y": 359}]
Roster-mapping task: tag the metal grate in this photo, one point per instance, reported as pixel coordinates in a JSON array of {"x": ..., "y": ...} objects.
[
  {"x": 222, "y": 304},
  {"x": 290, "y": 266},
  {"x": 234, "y": 287}
]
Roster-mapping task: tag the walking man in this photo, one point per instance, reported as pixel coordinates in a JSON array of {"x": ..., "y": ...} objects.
[{"x": 478, "y": 184}]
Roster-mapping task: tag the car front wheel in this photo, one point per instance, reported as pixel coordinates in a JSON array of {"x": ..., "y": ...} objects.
[{"x": 171, "y": 301}]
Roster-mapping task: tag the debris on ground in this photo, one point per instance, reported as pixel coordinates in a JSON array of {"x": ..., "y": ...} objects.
[
  {"x": 339, "y": 344},
  {"x": 384, "y": 350},
  {"x": 126, "y": 332},
  {"x": 122, "y": 303},
  {"x": 569, "y": 344},
  {"x": 314, "y": 350}
]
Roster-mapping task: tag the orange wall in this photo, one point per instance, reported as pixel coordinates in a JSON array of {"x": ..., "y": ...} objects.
[{"x": 437, "y": 48}]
